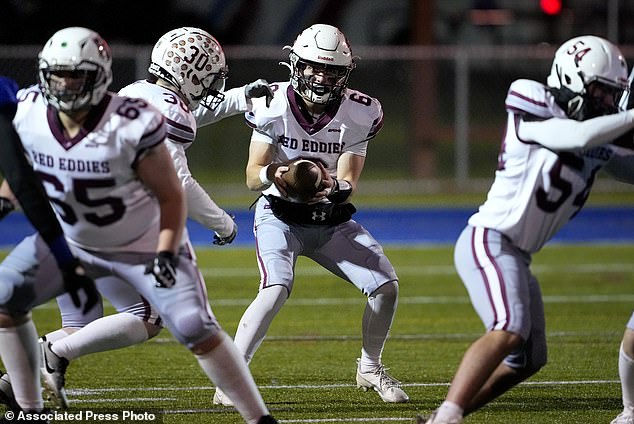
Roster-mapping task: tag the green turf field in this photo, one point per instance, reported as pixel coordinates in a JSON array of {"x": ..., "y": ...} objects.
[{"x": 306, "y": 366}]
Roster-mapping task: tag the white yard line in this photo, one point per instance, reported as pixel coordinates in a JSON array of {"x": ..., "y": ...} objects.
[
  {"x": 223, "y": 272},
  {"x": 91, "y": 392}
]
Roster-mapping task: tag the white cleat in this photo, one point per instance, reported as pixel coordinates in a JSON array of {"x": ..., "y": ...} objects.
[
  {"x": 388, "y": 388},
  {"x": 220, "y": 398},
  {"x": 53, "y": 370},
  {"x": 6, "y": 392},
  {"x": 625, "y": 417}
]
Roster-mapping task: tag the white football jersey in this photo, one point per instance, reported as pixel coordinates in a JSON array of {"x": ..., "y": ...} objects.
[
  {"x": 90, "y": 178},
  {"x": 345, "y": 127},
  {"x": 182, "y": 126},
  {"x": 536, "y": 190}
]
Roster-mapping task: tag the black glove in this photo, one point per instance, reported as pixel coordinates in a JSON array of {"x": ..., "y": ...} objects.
[
  {"x": 163, "y": 267},
  {"x": 6, "y": 207},
  {"x": 75, "y": 279},
  {"x": 259, "y": 88},
  {"x": 221, "y": 241}
]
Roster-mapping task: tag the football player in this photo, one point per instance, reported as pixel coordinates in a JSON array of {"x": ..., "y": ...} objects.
[
  {"x": 558, "y": 136},
  {"x": 105, "y": 167},
  {"x": 316, "y": 116},
  {"x": 188, "y": 73},
  {"x": 29, "y": 193}
]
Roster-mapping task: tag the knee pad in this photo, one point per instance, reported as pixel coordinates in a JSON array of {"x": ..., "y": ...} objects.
[
  {"x": 388, "y": 291},
  {"x": 15, "y": 294},
  {"x": 191, "y": 327}
]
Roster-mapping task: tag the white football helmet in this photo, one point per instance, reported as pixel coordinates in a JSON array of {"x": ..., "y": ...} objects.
[
  {"x": 324, "y": 49},
  {"x": 193, "y": 62},
  {"x": 79, "y": 53},
  {"x": 580, "y": 62}
]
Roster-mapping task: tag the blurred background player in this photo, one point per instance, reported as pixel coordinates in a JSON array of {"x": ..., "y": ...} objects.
[
  {"x": 316, "y": 108},
  {"x": 555, "y": 144},
  {"x": 17, "y": 330},
  {"x": 121, "y": 206},
  {"x": 188, "y": 96}
]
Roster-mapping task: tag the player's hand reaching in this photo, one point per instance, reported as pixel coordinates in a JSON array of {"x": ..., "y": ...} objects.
[
  {"x": 163, "y": 267},
  {"x": 75, "y": 279},
  {"x": 220, "y": 240},
  {"x": 6, "y": 207},
  {"x": 257, "y": 89}
]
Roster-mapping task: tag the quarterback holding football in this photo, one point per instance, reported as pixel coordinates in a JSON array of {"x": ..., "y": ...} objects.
[{"x": 316, "y": 117}]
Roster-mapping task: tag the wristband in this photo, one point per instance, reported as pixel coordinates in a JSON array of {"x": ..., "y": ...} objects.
[
  {"x": 340, "y": 191},
  {"x": 264, "y": 178}
]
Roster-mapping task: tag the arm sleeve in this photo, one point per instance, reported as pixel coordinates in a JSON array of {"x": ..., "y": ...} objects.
[
  {"x": 235, "y": 102},
  {"x": 27, "y": 188},
  {"x": 567, "y": 134},
  {"x": 200, "y": 206}
]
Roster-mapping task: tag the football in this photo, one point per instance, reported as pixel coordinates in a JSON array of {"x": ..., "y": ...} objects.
[{"x": 303, "y": 180}]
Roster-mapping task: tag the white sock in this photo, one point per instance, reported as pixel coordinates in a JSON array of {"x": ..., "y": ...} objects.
[
  {"x": 60, "y": 334},
  {"x": 226, "y": 368},
  {"x": 377, "y": 321},
  {"x": 20, "y": 354},
  {"x": 107, "y": 333},
  {"x": 257, "y": 318},
  {"x": 626, "y": 373},
  {"x": 448, "y": 411}
]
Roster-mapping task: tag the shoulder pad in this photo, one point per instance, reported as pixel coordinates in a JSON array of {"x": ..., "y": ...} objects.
[{"x": 527, "y": 96}]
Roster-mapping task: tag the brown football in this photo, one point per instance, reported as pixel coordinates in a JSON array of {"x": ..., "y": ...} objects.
[{"x": 303, "y": 180}]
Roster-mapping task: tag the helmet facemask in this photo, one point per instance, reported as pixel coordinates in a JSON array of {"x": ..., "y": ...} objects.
[
  {"x": 213, "y": 86},
  {"x": 317, "y": 82},
  {"x": 599, "y": 97},
  {"x": 68, "y": 89}
]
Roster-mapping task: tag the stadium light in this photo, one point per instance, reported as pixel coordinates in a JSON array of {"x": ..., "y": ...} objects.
[{"x": 550, "y": 7}]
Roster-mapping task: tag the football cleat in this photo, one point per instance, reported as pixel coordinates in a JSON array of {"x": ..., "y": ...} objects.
[
  {"x": 53, "y": 370},
  {"x": 267, "y": 419},
  {"x": 384, "y": 384},
  {"x": 625, "y": 417},
  {"x": 6, "y": 392},
  {"x": 220, "y": 398}
]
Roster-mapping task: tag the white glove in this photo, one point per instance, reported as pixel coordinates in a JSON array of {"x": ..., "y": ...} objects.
[{"x": 257, "y": 89}]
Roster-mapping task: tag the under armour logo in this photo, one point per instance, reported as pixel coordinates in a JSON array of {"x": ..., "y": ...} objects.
[{"x": 319, "y": 216}]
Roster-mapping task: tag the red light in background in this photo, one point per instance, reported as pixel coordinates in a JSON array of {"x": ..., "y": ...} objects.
[{"x": 550, "y": 7}]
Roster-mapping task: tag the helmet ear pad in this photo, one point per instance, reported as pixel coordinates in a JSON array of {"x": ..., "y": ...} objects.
[{"x": 571, "y": 102}]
